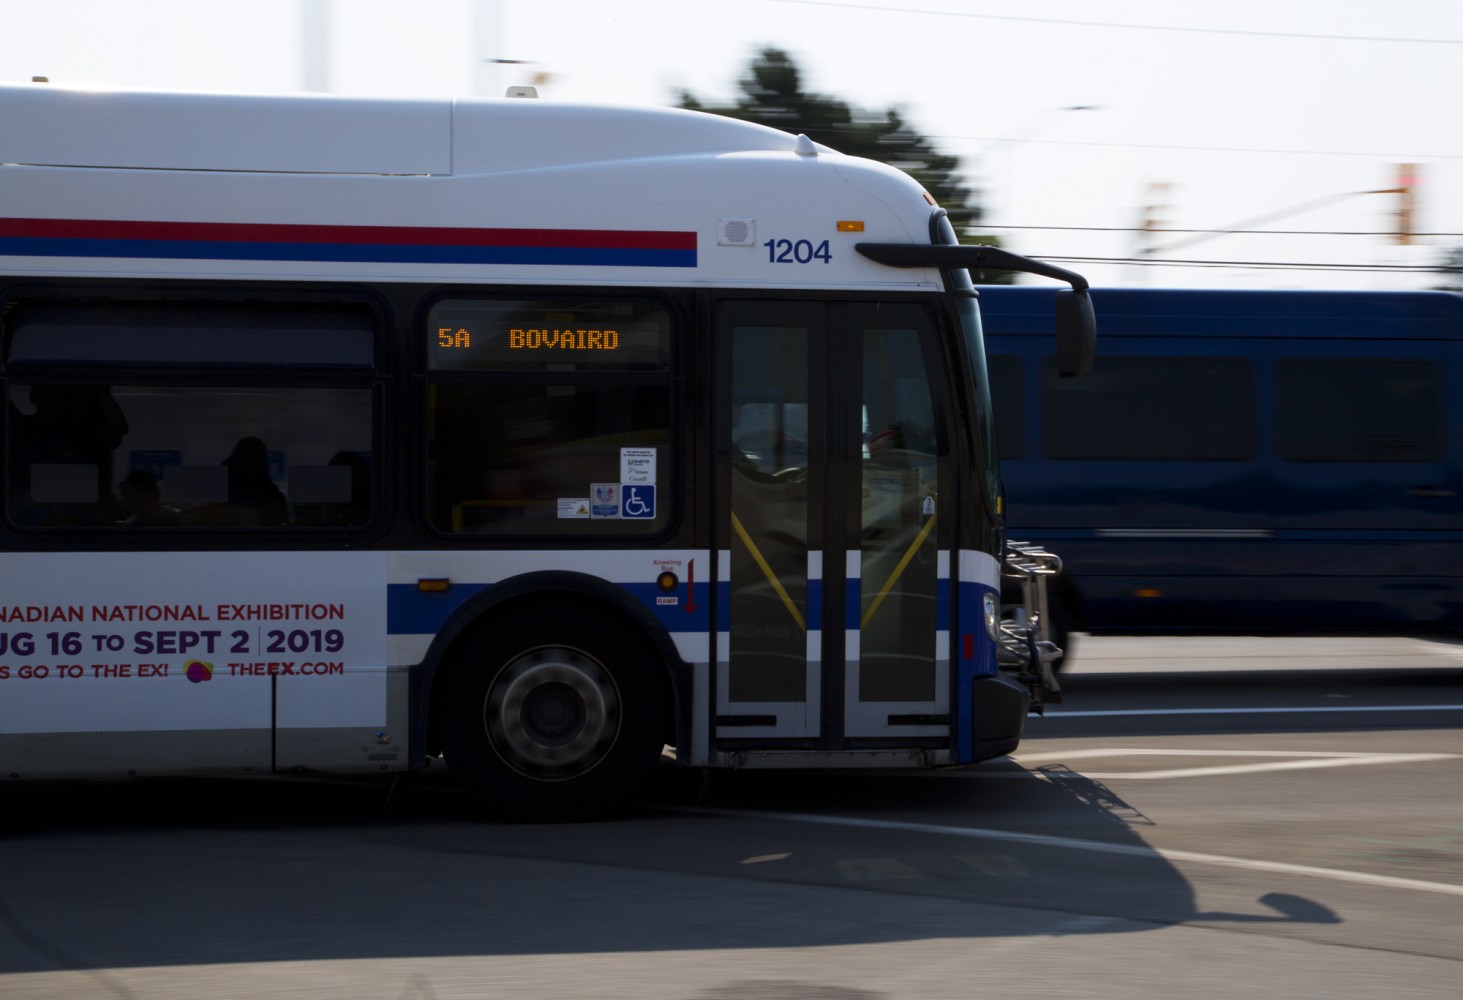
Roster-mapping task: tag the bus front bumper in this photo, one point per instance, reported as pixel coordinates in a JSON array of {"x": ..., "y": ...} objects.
[{"x": 998, "y": 715}]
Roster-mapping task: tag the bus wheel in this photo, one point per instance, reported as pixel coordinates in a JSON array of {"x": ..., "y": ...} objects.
[{"x": 554, "y": 714}]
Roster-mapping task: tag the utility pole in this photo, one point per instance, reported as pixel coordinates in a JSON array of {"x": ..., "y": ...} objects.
[
  {"x": 315, "y": 45},
  {"x": 487, "y": 31}
]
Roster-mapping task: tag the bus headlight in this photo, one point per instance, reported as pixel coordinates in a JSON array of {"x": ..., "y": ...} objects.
[{"x": 992, "y": 617}]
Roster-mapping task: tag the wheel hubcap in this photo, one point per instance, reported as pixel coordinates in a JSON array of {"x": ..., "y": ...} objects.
[{"x": 553, "y": 713}]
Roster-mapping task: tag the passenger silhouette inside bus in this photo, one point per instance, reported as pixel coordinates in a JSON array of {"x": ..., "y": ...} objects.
[
  {"x": 253, "y": 497},
  {"x": 61, "y": 455},
  {"x": 143, "y": 499}
]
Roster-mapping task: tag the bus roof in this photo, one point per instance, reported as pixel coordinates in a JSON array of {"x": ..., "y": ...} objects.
[
  {"x": 331, "y": 134},
  {"x": 307, "y": 187},
  {"x": 1186, "y": 312}
]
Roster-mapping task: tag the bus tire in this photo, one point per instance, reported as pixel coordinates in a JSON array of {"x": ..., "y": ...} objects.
[
  {"x": 554, "y": 713},
  {"x": 1060, "y": 629}
]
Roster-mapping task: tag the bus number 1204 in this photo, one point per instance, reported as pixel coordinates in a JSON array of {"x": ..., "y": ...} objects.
[{"x": 796, "y": 252}]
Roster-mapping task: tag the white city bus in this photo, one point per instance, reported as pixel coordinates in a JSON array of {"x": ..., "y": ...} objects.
[{"x": 342, "y": 434}]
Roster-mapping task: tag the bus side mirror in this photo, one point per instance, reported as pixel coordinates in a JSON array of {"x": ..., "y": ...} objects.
[{"x": 1076, "y": 333}]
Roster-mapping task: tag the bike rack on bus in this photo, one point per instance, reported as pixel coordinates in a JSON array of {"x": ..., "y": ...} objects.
[{"x": 1025, "y": 648}]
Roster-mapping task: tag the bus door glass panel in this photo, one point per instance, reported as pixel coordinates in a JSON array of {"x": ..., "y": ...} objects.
[
  {"x": 1362, "y": 446},
  {"x": 769, "y": 681},
  {"x": 897, "y": 679}
]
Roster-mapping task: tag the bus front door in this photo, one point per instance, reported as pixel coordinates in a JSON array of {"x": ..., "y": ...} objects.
[{"x": 835, "y": 564}]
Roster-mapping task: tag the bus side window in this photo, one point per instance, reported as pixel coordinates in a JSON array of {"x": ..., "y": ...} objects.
[
  {"x": 336, "y": 494},
  {"x": 212, "y": 405},
  {"x": 142, "y": 496},
  {"x": 1008, "y": 400},
  {"x": 549, "y": 416},
  {"x": 1360, "y": 410},
  {"x": 62, "y": 439},
  {"x": 1153, "y": 409}
]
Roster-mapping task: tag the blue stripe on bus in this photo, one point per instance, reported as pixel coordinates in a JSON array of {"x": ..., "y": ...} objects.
[
  {"x": 33, "y": 246},
  {"x": 409, "y": 611}
]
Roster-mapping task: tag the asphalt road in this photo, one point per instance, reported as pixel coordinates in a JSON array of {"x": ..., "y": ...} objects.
[{"x": 1198, "y": 818}]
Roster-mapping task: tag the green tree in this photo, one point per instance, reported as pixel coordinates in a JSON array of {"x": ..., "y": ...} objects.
[{"x": 772, "y": 94}]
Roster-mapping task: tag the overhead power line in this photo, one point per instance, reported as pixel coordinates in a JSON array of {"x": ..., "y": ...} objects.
[
  {"x": 1253, "y": 264},
  {"x": 1410, "y": 157},
  {"x": 1316, "y": 36},
  {"x": 1217, "y": 232}
]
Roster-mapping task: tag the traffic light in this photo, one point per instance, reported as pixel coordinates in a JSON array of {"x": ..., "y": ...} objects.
[{"x": 1406, "y": 184}]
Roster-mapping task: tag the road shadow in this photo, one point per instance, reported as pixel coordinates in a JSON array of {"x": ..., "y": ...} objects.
[{"x": 105, "y": 875}]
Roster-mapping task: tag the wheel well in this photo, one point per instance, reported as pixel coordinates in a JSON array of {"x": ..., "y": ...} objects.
[
  {"x": 658, "y": 649},
  {"x": 1067, "y": 602}
]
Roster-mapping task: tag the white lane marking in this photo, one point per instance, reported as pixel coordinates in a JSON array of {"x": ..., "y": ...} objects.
[
  {"x": 878, "y": 870},
  {"x": 1053, "y": 714},
  {"x": 1289, "y": 765},
  {"x": 1095, "y": 846},
  {"x": 1177, "y": 752},
  {"x": 1297, "y": 760}
]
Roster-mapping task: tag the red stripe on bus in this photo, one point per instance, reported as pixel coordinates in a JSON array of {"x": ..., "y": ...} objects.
[{"x": 254, "y": 232}]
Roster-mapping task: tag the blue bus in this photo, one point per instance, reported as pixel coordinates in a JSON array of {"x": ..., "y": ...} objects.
[{"x": 1239, "y": 462}]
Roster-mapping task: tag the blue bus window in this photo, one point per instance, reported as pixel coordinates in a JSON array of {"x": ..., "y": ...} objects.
[
  {"x": 1008, "y": 401},
  {"x": 1355, "y": 410},
  {"x": 1166, "y": 409}
]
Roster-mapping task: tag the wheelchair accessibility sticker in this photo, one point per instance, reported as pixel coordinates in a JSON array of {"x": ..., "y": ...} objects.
[
  {"x": 626, "y": 501},
  {"x": 637, "y": 500}
]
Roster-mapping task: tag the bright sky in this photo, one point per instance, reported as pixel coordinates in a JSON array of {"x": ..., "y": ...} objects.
[{"x": 1244, "y": 110}]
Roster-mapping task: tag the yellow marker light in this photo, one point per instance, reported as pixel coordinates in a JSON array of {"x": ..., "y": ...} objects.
[
  {"x": 850, "y": 226},
  {"x": 1147, "y": 592},
  {"x": 434, "y": 585}
]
